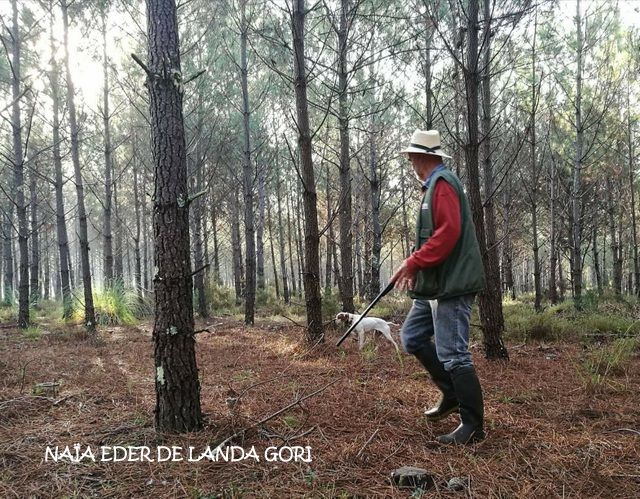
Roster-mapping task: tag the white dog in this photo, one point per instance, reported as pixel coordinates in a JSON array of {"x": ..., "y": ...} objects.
[{"x": 365, "y": 325}]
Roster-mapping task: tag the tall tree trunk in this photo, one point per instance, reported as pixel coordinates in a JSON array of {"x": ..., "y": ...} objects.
[
  {"x": 426, "y": 63},
  {"x": 283, "y": 266},
  {"x": 273, "y": 253},
  {"x": 247, "y": 177},
  {"x": 533, "y": 194},
  {"x": 576, "y": 174},
  {"x": 216, "y": 250},
  {"x": 329, "y": 233},
  {"x": 596, "y": 259},
  {"x": 490, "y": 302},
  {"x": 118, "y": 257},
  {"x": 197, "y": 215},
  {"x": 616, "y": 243},
  {"x": 553, "y": 289},
  {"x": 7, "y": 254},
  {"x": 136, "y": 203},
  {"x": 47, "y": 268},
  {"x": 18, "y": 175},
  {"x": 64, "y": 255},
  {"x": 294, "y": 281},
  {"x": 83, "y": 236},
  {"x": 346, "y": 236},
  {"x": 34, "y": 284},
  {"x": 176, "y": 380},
  {"x": 236, "y": 248},
  {"x": 108, "y": 238},
  {"x": 632, "y": 188},
  {"x": 260, "y": 227},
  {"x": 311, "y": 275},
  {"x": 376, "y": 227}
]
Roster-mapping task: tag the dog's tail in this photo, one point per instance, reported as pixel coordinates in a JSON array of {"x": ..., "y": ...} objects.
[{"x": 392, "y": 323}]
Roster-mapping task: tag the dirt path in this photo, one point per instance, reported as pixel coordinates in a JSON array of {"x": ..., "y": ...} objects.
[{"x": 547, "y": 436}]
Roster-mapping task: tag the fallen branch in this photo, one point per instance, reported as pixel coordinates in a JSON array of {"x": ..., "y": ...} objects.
[
  {"x": 290, "y": 319},
  {"x": 207, "y": 330},
  {"x": 366, "y": 443},
  {"x": 275, "y": 414}
]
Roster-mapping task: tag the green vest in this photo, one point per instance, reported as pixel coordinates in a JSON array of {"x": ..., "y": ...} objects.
[{"x": 462, "y": 272}]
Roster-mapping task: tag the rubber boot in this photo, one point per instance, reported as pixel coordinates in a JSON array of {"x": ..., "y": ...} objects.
[
  {"x": 469, "y": 394},
  {"x": 442, "y": 379}
]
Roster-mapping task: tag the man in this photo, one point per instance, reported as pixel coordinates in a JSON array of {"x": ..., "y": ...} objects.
[{"x": 442, "y": 276}]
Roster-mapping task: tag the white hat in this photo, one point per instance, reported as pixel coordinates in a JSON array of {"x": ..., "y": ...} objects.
[{"x": 425, "y": 142}]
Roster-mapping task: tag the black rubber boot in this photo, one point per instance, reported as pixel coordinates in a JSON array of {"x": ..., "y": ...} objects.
[
  {"x": 442, "y": 379},
  {"x": 469, "y": 394}
]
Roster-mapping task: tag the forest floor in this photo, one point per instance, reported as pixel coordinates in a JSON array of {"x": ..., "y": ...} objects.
[{"x": 549, "y": 432}]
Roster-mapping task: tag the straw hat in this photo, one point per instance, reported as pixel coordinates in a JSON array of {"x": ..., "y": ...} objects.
[{"x": 425, "y": 142}]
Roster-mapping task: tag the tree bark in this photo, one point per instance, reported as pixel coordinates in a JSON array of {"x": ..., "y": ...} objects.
[
  {"x": 490, "y": 303},
  {"x": 311, "y": 275},
  {"x": 61, "y": 224},
  {"x": 283, "y": 266},
  {"x": 576, "y": 175},
  {"x": 247, "y": 177},
  {"x": 346, "y": 236},
  {"x": 34, "y": 283},
  {"x": 18, "y": 175},
  {"x": 83, "y": 236},
  {"x": 108, "y": 168},
  {"x": 177, "y": 385}
]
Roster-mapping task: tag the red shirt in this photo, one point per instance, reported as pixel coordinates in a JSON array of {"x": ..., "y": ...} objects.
[{"x": 447, "y": 223}]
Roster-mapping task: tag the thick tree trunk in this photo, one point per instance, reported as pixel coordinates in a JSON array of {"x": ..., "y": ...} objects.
[
  {"x": 490, "y": 299},
  {"x": 108, "y": 168},
  {"x": 177, "y": 384},
  {"x": 83, "y": 235},
  {"x": 18, "y": 175},
  {"x": 311, "y": 275}
]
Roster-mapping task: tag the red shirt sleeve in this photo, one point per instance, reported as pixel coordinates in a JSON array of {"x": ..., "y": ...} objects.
[{"x": 447, "y": 224}]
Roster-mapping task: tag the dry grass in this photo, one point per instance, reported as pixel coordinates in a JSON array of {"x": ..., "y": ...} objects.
[{"x": 547, "y": 436}]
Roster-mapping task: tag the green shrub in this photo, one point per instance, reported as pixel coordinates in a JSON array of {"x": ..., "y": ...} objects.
[
  {"x": 8, "y": 313},
  {"x": 221, "y": 299},
  {"x": 32, "y": 333},
  {"x": 114, "y": 305}
]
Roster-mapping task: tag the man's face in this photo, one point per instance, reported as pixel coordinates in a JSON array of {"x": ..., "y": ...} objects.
[{"x": 419, "y": 165}]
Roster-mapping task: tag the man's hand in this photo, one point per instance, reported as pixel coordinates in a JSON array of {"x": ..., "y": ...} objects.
[{"x": 404, "y": 278}]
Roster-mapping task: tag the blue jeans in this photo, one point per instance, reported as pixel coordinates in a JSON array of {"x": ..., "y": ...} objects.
[{"x": 447, "y": 321}]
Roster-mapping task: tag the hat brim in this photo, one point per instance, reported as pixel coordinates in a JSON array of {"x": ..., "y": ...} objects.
[{"x": 422, "y": 151}]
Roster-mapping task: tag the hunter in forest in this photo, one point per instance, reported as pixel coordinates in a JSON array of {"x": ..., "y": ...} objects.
[{"x": 443, "y": 275}]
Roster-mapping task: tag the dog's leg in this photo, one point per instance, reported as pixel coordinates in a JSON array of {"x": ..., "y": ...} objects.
[
  {"x": 387, "y": 334},
  {"x": 360, "y": 339}
]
